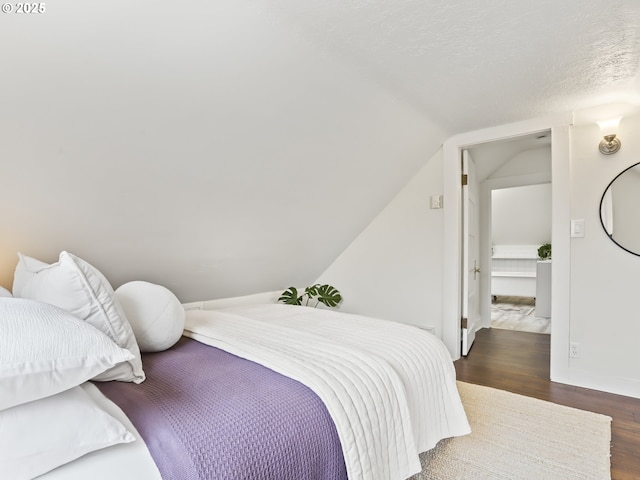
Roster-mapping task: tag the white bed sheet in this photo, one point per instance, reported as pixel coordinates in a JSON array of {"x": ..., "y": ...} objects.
[
  {"x": 390, "y": 388},
  {"x": 124, "y": 461}
]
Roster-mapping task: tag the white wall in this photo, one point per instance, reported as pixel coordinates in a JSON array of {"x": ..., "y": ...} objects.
[
  {"x": 393, "y": 269},
  {"x": 210, "y": 147},
  {"x": 605, "y": 319},
  {"x": 521, "y": 215}
]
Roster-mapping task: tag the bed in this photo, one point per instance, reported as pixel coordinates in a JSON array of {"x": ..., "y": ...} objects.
[{"x": 253, "y": 391}]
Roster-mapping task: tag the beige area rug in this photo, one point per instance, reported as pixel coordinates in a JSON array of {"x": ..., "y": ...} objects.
[{"x": 515, "y": 437}]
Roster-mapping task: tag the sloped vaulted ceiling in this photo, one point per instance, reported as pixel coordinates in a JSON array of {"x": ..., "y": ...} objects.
[{"x": 224, "y": 147}]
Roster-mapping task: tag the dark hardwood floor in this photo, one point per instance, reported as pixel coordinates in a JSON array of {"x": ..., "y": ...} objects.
[{"x": 519, "y": 362}]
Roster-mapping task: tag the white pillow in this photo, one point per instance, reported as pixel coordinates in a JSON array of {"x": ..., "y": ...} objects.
[
  {"x": 79, "y": 288},
  {"x": 39, "y": 436},
  {"x": 155, "y": 314},
  {"x": 5, "y": 293},
  {"x": 45, "y": 350},
  {"x": 26, "y": 270}
]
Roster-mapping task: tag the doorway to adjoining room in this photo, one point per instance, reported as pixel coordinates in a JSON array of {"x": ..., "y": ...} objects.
[{"x": 520, "y": 280}]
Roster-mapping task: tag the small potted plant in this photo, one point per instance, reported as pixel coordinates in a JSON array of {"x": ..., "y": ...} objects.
[
  {"x": 325, "y": 294},
  {"x": 544, "y": 252}
]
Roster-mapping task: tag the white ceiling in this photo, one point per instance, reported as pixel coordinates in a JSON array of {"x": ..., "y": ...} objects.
[
  {"x": 489, "y": 157},
  {"x": 469, "y": 64},
  {"x": 225, "y": 147}
]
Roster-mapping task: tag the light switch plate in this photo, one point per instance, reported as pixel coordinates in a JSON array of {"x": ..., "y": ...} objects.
[
  {"x": 436, "y": 201},
  {"x": 577, "y": 228}
]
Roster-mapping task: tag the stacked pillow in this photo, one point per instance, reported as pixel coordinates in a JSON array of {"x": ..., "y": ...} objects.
[
  {"x": 80, "y": 289},
  {"x": 45, "y": 353},
  {"x": 45, "y": 350},
  {"x": 62, "y": 326},
  {"x": 68, "y": 425}
]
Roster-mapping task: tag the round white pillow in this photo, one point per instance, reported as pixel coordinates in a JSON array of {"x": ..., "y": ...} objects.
[
  {"x": 5, "y": 293},
  {"x": 155, "y": 314}
]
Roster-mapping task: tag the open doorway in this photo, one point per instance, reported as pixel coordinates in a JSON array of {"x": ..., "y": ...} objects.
[
  {"x": 520, "y": 278},
  {"x": 561, "y": 217},
  {"x": 515, "y": 212},
  {"x": 503, "y": 162}
]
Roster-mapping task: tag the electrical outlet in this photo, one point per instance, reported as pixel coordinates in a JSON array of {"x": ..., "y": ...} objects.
[{"x": 574, "y": 350}]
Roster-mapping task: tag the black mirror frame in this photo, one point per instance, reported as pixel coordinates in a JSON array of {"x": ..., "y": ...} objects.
[{"x": 600, "y": 211}]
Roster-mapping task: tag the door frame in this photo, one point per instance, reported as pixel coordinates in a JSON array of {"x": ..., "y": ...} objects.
[{"x": 561, "y": 217}]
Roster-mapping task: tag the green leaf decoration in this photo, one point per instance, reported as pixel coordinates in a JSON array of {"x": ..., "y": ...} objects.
[
  {"x": 328, "y": 295},
  {"x": 311, "y": 291},
  {"x": 325, "y": 294},
  {"x": 290, "y": 297}
]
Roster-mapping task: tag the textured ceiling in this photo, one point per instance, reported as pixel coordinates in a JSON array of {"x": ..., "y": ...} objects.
[{"x": 470, "y": 64}]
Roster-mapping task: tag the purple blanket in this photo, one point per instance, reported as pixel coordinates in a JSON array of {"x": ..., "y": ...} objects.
[{"x": 207, "y": 414}]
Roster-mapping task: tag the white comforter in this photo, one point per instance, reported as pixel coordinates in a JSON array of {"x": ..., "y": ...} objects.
[{"x": 390, "y": 388}]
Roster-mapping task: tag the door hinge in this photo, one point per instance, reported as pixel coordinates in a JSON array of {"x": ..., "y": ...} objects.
[
  {"x": 463, "y": 322},
  {"x": 465, "y": 179}
]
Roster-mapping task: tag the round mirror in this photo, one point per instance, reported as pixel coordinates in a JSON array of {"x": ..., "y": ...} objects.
[{"x": 619, "y": 212}]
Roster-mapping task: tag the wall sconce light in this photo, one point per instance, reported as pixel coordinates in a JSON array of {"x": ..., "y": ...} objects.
[{"x": 610, "y": 143}]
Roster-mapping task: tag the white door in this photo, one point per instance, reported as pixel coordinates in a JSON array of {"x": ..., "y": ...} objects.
[{"x": 471, "y": 319}]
